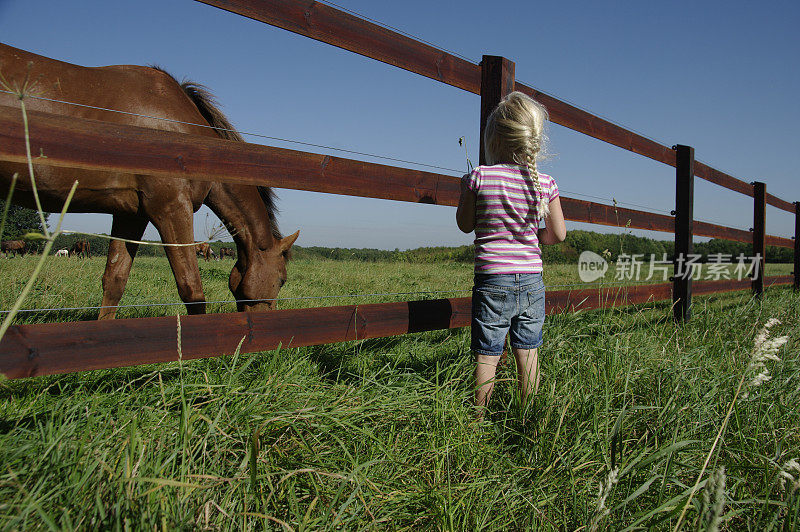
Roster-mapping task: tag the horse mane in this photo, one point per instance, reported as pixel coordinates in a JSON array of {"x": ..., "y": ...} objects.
[{"x": 207, "y": 104}]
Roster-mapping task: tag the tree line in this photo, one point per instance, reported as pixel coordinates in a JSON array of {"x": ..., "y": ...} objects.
[
  {"x": 21, "y": 221},
  {"x": 567, "y": 252}
]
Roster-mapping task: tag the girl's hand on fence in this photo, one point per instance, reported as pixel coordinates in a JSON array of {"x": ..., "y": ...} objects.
[
  {"x": 465, "y": 215},
  {"x": 464, "y": 182}
]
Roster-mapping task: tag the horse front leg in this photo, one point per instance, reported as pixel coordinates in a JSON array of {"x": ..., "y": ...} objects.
[
  {"x": 177, "y": 228},
  {"x": 119, "y": 261}
]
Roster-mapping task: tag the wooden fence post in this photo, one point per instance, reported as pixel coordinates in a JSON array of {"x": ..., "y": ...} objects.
[
  {"x": 796, "y": 271},
  {"x": 684, "y": 219},
  {"x": 759, "y": 233},
  {"x": 796, "y": 246},
  {"x": 497, "y": 81}
]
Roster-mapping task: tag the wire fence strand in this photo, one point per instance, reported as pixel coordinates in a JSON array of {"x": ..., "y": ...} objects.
[
  {"x": 248, "y": 133},
  {"x": 581, "y": 286},
  {"x": 310, "y": 144}
]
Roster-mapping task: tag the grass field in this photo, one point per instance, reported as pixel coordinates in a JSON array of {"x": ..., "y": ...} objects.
[
  {"x": 381, "y": 433},
  {"x": 72, "y": 283}
]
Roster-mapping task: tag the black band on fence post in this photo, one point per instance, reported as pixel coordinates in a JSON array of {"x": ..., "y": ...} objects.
[
  {"x": 796, "y": 245},
  {"x": 759, "y": 233},
  {"x": 497, "y": 81},
  {"x": 684, "y": 248}
]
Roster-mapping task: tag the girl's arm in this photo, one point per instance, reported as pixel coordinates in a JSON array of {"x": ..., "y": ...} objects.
[
  {"x": 555, "y": 230},
  {"x": 465, "y": 215}
]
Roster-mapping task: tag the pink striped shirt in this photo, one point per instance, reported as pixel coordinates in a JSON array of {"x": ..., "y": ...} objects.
[{"x": 506, "y": 227}]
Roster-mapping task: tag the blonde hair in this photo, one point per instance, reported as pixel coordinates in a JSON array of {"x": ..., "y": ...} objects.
[{"x": 515, "y": 134}]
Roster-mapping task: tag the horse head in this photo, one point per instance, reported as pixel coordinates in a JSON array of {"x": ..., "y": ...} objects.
[{"x": 258, "y": 274}]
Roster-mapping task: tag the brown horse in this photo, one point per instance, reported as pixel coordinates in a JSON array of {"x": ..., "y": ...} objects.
[
  {"x": 247, "y": 211},
  {"x": 13, "y": 247},
  {"x": 203, "y": 249},
  {"x": 80, "y": 248},
  {"x": 226, "y": 252}
]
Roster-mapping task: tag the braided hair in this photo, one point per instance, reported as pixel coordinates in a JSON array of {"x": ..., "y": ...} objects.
[{"x": 515, "y": 134}]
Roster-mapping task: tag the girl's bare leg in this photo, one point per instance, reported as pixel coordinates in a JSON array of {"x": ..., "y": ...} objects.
[
  {"x": 527, "y": 371},
  {"x": 485, "y": 369}
]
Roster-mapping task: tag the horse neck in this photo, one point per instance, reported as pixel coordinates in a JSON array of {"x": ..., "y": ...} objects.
[{"x": 244, "y": 214}]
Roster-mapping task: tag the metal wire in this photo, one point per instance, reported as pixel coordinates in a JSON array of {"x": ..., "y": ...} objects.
[
  {"x": 301, "y": 298},
  {"x": 420, "y": 39},
  {"x": 140, "y": 305},
  {"x": 299, "y": 142},
  {"x": 388, "y": 27},
  {"x": 259, "y": 135},
  {"x": 598, "y": 115},
  {"x": 746, "y": 230},
  {"x": 654, "y": 209},
  {"x": 417, "y": 38},
  {"x": 573, "y": 104},
  {"x": 717, "y": 223}
]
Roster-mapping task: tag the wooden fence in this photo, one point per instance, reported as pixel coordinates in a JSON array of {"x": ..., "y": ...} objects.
[{"x": 30, "y": 350}]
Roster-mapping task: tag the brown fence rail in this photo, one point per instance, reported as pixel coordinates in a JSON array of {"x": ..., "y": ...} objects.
[
  {"x": 30, "y": 350},
  {"x": 338, "y": 28},
  {"x": 96, "y": 145},
  {"x": 53, "y": 348}
]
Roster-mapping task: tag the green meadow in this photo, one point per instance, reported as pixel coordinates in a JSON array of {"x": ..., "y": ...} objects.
[{"x": 639, "y": 423}]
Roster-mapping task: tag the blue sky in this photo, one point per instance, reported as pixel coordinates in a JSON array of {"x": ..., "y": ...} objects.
[{"x": 719, "y": 76}]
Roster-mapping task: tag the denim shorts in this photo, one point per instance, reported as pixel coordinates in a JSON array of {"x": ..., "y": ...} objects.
[{"x": 503, "y": 303}]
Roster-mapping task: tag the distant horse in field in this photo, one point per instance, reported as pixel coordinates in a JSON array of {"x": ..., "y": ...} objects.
[
  {"x": 226, "y": 252},
  {"x": 80, "y": 248},
  {"x": 203, "y": 249},
  {"x": 13, "y": 247},
  {"x": 247, "y": 211},
  {"x": 62, "y": 253}
]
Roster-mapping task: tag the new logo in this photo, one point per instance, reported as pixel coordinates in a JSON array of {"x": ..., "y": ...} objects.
[{"x": 591, "y": 266}]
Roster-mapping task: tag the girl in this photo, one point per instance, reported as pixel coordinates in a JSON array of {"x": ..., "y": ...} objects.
[{"x": 504, "y": 203}]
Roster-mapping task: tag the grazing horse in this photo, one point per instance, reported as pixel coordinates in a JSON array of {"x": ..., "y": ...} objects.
[
  {"x": 203, "y": 249},
  {"x": 247, "y": 211},
  {"x": 80, "y": 248},
  {"x": 13, "y": 247},
  {"x": 62, "y": 253},
  {"x": 226, "y": 252}
]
